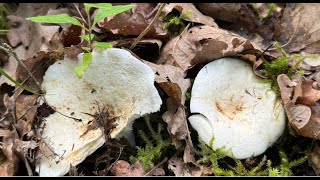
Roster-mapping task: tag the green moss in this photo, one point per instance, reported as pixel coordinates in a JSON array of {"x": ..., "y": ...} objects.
[
  {"x": 263, "y": 168},
  {"x": 5, "y": 10},
  {"x": 281, "y": 66},
  {"x": 174, "y": 23},
  {"x": 155, "y": 146},
  {"x": 271, "y": 9}
]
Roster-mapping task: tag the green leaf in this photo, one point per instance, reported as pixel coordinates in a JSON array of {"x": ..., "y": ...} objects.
[
  {"x": 87, "y": 38},
  {"x": 110, "y": 11},
  {"x": 88, "y": 6},
  {"x": 15, "y": 82},
  {"x": 103, "y": 45},
  {"x": 79, "y": 70},
  {"x": 60, "y": 18}
]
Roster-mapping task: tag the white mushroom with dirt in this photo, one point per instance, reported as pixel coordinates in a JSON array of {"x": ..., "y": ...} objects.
[
  {"x": 235, "y": 108},
  {"x": 115, "y": 81}
]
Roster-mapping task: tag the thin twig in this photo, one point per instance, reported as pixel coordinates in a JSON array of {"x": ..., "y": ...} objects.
[
  {"x": 293, "y": 35},
  {"x": 79, "y": 13},
  {"x": 153, "y": 11},
  {"x": 8, "y": 49},
  {"x": 148, "y": 27},
  {"x": 155, "y": 167}
]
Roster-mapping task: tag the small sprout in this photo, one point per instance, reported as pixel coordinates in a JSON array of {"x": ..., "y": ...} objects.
[{"x": 105, "y": 10}]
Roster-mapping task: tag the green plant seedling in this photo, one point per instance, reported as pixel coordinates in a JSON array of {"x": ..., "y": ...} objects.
[{"x": 105, "y": 10}]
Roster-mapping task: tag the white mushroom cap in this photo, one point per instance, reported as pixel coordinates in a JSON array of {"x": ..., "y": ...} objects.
[
  {"x": 235, "y": 107},
  {"x": 115, "y": 80}
]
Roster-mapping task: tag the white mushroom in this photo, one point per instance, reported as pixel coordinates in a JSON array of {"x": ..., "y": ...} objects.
[
  {"x": 115, "y": 80},
  {"x": 236, "y": 108}
]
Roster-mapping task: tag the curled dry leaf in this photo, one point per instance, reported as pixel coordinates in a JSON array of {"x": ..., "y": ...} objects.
[
  {"x": 314, "y": 159},
  {"x": 133, "y": 22},
  {"x": 10, "y": 164},
  {"x": 123, "y": 168},
  {"x": 202, "y": 44},
  {"x": 309, "y": 95},
  {"x": 179, "y": 168},
  {"x": 26, "y": 110},
  {"x": 230, "y": 12},
  {"x": 305, "y": 120},
  {"x": 304, "y": 24},
  {"x": 192, "y": 13},
  {"x": 19, "y": 33}
]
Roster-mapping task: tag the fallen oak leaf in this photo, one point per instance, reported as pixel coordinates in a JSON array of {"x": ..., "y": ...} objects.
[
  {"x": 123, "y": 168},
  {"x": 314, "y": 159},
  {"x": 309, "y": 95},
  {"x": 304, "y": 18},
  {"x": 180, "y": 168},
  {"x": 191, "y": 12},
  {"x": 173, "y": 91},
  {"x": 134, "y": 22},
  {"x": 202, "y": 44},
  {"x": 303, "y": 119},
  {"x": 26, "y": 110},
  {"x": 11, "y": 162}
]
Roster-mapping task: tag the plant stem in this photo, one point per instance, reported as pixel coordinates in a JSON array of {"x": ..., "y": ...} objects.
[
  {"x": 148, "y": 27},
  {"x": 90, "y": 28},
  {"x": 7, "y": 48}
]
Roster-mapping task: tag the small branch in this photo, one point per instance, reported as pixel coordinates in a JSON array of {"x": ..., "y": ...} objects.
[
  {"x": 293, "y": 35},
  {"x": 79, "y": 12},
  {"x": 148, "y": 27},
  {"x": 153, "y": 11},
  {"x": 8, "y": 49},
  {"x": 155, "y": 167}
]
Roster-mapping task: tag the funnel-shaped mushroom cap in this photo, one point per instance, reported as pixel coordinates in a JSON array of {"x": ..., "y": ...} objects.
[
  {"x": 115, "y": 80},
  {"x": 236, "y": 108}
]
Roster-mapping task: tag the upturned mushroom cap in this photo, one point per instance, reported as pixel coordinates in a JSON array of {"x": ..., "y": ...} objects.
[
  {"x": 236, "y": 108},
  {"x": 115, "y": 80}
]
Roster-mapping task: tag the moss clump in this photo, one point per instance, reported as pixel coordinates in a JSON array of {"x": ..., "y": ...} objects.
[
  {"x": 263, "y": 168},
  {"x": 269, "y": 14},
  {"x": 281, "y": 65},
  {"x": 155, "y": 146},
  {"x": 5, "y": 10},
  {"x": 174, "y": 23}
]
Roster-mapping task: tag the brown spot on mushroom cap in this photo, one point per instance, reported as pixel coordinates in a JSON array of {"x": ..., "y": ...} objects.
[{"x": 231, "y": 106}]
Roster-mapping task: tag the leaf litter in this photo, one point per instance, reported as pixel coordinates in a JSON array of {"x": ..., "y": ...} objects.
[{"x": 206, "y": 38}]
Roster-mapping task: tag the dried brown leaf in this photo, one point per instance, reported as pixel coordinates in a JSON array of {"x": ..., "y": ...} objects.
[
  {"x": 133, "y": 22},
  {"x": 304, "y": 28},
  {"x": 123, "y": 168},
  {"x": 11, "y": 161},
  {"x": 314, "y": 159},
  {"x": 173, "y": 91},
  {"x": 179, "y": 168},
  {"x": 192, "y": 13},
  {"x": 26, "y": 110},
  {"x": 36, "y": 66},
  {"x": 202, "y": 44},
  {"x": 309, "y": 95},
  {"x": 20, "y": 33},
  {"x": 303, "y": 119}
]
